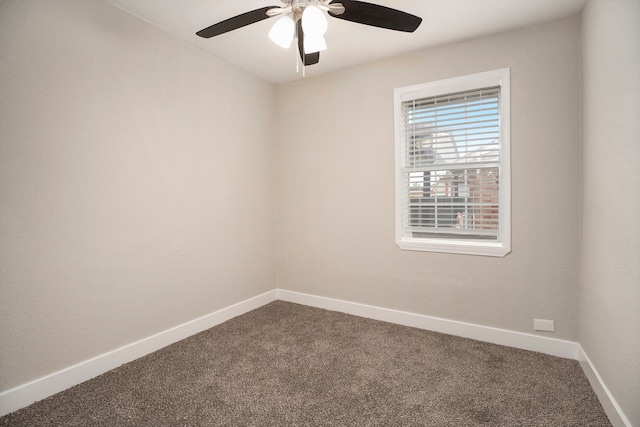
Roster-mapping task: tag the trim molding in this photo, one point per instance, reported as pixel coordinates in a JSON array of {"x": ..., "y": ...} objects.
[
  {"x": 41, "y": 388},
  {"x": 26, "y": 394},
  {"x": 609, "y": 404},
  {"x": 552, "y": 346}
]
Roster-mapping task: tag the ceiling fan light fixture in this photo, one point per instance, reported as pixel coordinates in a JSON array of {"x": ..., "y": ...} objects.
[
  {"x": 282, "y": 31},
  {"x": 314, "y": 43},
  {"x": 314, "y": 23}
]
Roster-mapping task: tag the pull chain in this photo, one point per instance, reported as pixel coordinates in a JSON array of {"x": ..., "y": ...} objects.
[{"x": 299, "y": 61}]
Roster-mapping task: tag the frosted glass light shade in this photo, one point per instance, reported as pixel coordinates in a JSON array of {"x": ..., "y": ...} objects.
[
  {"x": 313, "y": 43},
  {"x": 314, "y": 23},
  {"x": 282, "y": 32}
]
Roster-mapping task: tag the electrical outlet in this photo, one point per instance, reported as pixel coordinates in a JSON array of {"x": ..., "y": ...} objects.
[{"x": 543, "y": 325}]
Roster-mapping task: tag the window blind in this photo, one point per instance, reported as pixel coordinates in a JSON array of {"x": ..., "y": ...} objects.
[{"x": 451, "y": 165}]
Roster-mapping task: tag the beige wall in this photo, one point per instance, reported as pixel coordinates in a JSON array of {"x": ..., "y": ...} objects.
[
  {"x": 134, "y": 194},
  {"x": 610, "y": 295},
  {"x": 125, "y": 177},
  {"x": 335, "y": 187}
]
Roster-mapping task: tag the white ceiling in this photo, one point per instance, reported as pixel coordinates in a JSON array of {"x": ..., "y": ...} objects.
[{"x": 349, "y": 44}]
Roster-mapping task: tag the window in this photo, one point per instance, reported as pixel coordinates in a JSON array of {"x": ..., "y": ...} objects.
[{"x": 452, "y": 165}]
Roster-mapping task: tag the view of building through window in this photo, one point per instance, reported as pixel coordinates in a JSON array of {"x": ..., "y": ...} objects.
[{"x": 451, "y": 164}]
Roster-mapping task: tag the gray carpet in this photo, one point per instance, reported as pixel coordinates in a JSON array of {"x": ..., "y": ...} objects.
[{"x": 288, "y": 364}]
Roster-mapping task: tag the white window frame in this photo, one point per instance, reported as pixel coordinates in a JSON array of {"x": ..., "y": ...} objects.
[{"x": 502, "y": 245}]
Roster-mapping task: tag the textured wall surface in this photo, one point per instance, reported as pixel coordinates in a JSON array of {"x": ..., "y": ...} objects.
[
  {"x": 335, "y": 187},
  {"x": 135, "y": 190},
  {"x": 610, "y": 294},
  {"x": 139, "y": 176}
]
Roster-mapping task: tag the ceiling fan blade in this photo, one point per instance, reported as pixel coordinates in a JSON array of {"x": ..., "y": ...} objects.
[
  {"x": 310, "y": 58},
  {"x": 236, "y": 22},
  {"x": 377, "y": 16}
]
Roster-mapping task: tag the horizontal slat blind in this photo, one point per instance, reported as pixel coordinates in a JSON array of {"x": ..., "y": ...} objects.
[{"x": 451, "y": 165}]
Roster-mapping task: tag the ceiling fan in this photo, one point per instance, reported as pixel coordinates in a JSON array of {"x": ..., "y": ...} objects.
[{"x": 305, "y": 20}]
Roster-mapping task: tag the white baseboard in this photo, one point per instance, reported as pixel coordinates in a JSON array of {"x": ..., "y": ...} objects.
[
  {"x": 609, "y": 404},
  {"x": 552, "y": 346},
  {"x": 25, "y": 394}
]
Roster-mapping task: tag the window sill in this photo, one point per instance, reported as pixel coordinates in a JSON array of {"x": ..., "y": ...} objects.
[{"x": 463, "y": 247}]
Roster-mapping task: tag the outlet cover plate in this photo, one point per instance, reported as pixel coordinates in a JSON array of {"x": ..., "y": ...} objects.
[{"x": 543, "y": 325}]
